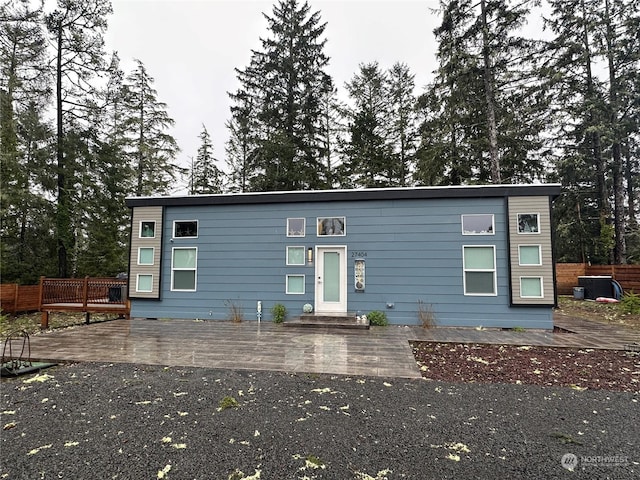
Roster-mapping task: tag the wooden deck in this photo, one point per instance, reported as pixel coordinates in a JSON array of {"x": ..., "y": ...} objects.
[{"x": 88, "y": 295}]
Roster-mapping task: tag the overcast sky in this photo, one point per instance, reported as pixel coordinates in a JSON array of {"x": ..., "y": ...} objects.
[{"x": 191, "y": 49}]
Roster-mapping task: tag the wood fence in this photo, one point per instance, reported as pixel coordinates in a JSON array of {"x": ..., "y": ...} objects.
[
  {"x": 16, "y": 298},
  {"x": 628, "y": 276}
]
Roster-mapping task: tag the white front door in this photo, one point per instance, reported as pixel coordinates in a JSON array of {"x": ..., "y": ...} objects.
[{"x": 331, "y": 279}]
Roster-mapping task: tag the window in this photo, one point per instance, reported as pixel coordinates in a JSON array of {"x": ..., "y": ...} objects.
[
  {"x": 145, "y": 255},
  {"x": 481, "y": 224},
  {"x": 531, "y": 287},
  {"x": 529, "y": 255},
  {"x": 295, "y": 284},
  {"x": 295, "y": 227},
  {"x": 185, "y": 229},
  {"x": 331, "y": 226},
  {"x": 528, "y": 223},
  {"x": 479, "y": 270},
  {"x": 183, "y": 269},
  {"x": 147, "y": 229},
  {"x": 295, "y": 256},
  {"x": 144, "y": 283}
]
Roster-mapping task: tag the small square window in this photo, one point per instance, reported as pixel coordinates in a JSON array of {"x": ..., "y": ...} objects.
[
  {"x": 481, "y": 224},
  {"x": 185, "y": 229},
  {"x": 295, "y": 256},
  {"x": 529, "y": 255},
  {"x": 145, "y": 255},
  {"x": 295, "y": 227},
  {"x": 531, "y": 287},
  {"x": 144, "y": 283},
  {"x": 332, "y": 226},
  {"x": 528, "y": 223},
  {"x": 147, "y": 229},
  {"x": 295, "y": 284}
]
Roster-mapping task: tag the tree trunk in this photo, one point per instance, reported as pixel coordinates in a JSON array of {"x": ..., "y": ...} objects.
[
  {"x": 489, "y": 98},
  {"x": 63, "y": 216},
  {"x": 618, "y": 164}
]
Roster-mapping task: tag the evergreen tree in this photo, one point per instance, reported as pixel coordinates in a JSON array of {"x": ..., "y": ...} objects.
[
  {"x": 284, "y": 83},
  {"x": 76, "y": 29},
  {"x": 206, "y": 177},
  {"x": 597, "y": 118},
  {"x": 151, "y": 147},
  {"x": 241, "y": 145},
  {"x": 475, "y": 110},
  {"x": 25, "y": 213},
  {"x": 368, "y": 152},
  {"x": 331, "y": 134}
]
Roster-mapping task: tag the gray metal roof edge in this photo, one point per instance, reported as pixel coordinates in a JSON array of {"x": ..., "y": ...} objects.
[{"x": 394, "y": 193}]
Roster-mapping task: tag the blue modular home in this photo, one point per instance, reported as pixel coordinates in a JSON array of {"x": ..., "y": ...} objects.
[{"x": 479, "y": 255}]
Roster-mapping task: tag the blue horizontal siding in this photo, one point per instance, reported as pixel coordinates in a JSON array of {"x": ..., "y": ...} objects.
[{"x": 413, "y": 252}]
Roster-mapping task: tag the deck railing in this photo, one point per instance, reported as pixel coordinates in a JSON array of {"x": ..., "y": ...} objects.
[{"x": 82, "y": 291}]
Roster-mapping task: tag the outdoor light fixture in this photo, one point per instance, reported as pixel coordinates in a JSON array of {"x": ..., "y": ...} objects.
[{"x": 310, "y": 255}]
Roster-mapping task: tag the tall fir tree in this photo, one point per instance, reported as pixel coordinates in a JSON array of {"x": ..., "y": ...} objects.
[
  {"x": 475, "y": 109},
  {"x": 285, "y": 82},
  {"x": 206, "y": 177},
  {"x": 152, "y": 148},
  {"x": 76, "y": 30}
]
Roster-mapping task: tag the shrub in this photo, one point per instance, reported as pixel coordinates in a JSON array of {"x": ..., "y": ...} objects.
[
  {"x": 278, "y": 313},
  {"x": 378, "y": 318},
  {"x": 630, "y": 303},
  {"x": 235, "y": 311},
  {"x": 425, "y": 315}
]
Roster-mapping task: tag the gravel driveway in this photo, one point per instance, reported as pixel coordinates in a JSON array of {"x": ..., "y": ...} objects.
[{"x": 123, "y": 421}]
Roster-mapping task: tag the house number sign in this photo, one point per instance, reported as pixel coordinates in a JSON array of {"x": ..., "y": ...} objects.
[{"x": 359, "y": 274}]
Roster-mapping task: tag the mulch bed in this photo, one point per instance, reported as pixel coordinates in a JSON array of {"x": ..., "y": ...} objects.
[{"x": 529, "y": 365}]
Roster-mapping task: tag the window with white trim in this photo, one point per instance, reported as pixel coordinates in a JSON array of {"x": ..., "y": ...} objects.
[
  {"x": 531, "y": 287},
  {"x": 479, "y": 264},
  {"x": 185, "y": 229},
  {"x": 295, "y": 284},
  {"x": 145, "y": 255},
  {"x": 144, "y": 282},
  {"x": 478, "y": 224},
  {"x": 184, "y": 263},
  {"x": 147, "y": 229},
  {"x": 295, "y": 256},
  {"x": 295, "y": 227},
  {"x": 528, "y": 223},
  {"x": 529, "y": 255},
  {"x": 332, "y": 226}
]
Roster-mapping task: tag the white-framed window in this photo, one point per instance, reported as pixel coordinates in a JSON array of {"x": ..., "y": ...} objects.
[
  {"x": 184, "y": 265},
  {"x": 332, "y": 226},
  {"x": 529, "y": 255},
  {"x": 478, "y": 224},
  {"x": 479, "y": 265},
  {"x": 185, "y": 229},
  {"x": 295, "y": 227},
  {"x": 295, "y": 256},
  {"x": 144, "y": 282},
  {"x": 295, "y": 284},
  {"x": 145, "y": 255},
  {"x": 147, "y": 229},
  {"x": 531, "y": 287},
  {"x": 528, "y": 223}
]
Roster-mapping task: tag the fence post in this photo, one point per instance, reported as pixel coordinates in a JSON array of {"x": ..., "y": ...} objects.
[{"x": 85, "y": 292}]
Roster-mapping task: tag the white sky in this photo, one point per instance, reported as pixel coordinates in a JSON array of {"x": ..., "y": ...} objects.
[{"x": 191, "y": 47}]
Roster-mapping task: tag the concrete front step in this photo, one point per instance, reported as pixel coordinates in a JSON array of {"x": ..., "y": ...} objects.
[{"x": 339, "y": 321}]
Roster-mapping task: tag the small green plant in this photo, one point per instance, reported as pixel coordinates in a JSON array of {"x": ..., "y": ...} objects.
[
  {"x": 630, "y": 303},
  {"x": 377, "y": 318},
  {"x": 228, "y": 402},
  {"x": 314, "y": 461},
  {"x": 235, "y": 311},
  {"x": 278, "y": 313},
  {"x": 426, "y": 315},
  {"x": 518, "y": 329}
]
